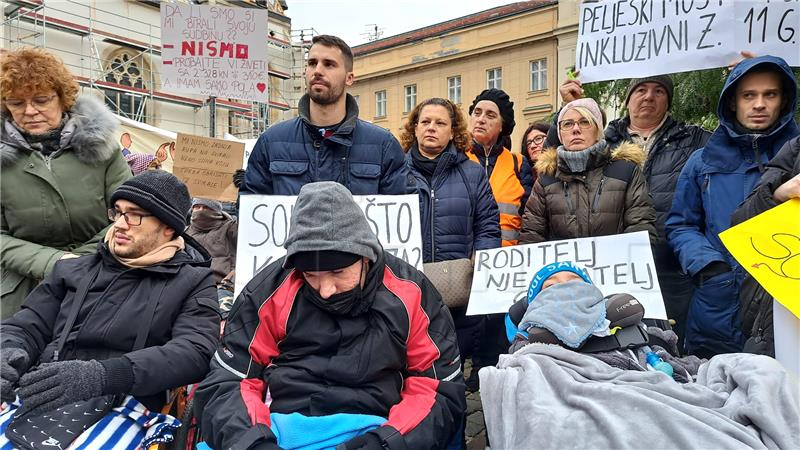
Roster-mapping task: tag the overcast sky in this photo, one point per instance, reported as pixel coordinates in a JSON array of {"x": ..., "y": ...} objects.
[{"x": 349, "y": 19}]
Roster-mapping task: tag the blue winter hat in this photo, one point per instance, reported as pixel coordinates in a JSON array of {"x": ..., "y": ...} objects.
[{"x": 547, "y": 271}]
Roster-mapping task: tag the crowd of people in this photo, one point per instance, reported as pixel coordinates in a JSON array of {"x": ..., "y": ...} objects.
[{"x": 339, "y": 343}]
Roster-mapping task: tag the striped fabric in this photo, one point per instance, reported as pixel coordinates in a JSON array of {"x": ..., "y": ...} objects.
[{"x": 130, "y": 426}]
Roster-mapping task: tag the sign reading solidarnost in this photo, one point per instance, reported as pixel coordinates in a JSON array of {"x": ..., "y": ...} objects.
[
  {"x": 207, "y": 166},
  {"x": 638, "y": 38},
  {"x": 214, "y": 51},
  {"x": 617, "y": 263},
  {"x": 264, "y": 226}
]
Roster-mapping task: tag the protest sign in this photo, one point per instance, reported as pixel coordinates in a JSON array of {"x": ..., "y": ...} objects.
[
  {"x": 638, "y": 38},
  {"x": 264, "y": 226},
  {"x": 248, "y": 147},
  {"x": 214, "y": 50},
  {"x": 617, "y": 263},
  {"x": 207, "y": 166},
  {"x": 768, "y": 247}
]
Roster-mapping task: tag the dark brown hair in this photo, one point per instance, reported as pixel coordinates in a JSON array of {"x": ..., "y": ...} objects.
[
  {"x": 332, "y": 41},
  {"x": 458, "y": 124}
]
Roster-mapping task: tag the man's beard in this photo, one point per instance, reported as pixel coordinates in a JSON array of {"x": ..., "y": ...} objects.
[{"x": 331, "y": 96}]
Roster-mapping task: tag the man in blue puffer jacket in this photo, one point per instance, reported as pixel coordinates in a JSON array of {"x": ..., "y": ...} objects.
[
  {"x": 756, "y": 110},
  {"x": 328, "y": 142}
]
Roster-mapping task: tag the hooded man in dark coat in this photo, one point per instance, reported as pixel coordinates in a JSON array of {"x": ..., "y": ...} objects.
[
  {"x": 756, "y": 113},
  {"x": 352, "y": 345}
]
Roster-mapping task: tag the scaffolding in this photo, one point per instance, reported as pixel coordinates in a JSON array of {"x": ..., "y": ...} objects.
[{"x": 119, "y": 57}]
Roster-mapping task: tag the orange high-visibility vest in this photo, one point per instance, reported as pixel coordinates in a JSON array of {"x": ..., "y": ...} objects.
[{"x": 508, "y": 192}]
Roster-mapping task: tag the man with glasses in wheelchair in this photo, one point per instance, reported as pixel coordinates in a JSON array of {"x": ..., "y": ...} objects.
[
  {"x": 100, "y": 341},
  {"x": 338, "y": 344}
]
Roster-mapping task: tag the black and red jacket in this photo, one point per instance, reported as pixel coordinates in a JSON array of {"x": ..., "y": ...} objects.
[{"x": 397, "y": 360}]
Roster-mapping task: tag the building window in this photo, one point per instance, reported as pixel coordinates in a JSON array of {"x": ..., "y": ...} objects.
[
  {"x": 380, "y": 104},
  {"x": 539, "y": 75},
  {"x": 410, "y": 98},
  {"x": 454, "y": 89},
  {"x": 127, "y": 69},
  {"x": 494, "y": 78}
]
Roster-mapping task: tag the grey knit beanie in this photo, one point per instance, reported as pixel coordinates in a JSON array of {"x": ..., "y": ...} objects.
[
  {"x": 326, "y": 217},
  {"x": 663, "y": 80},
  {"x": 208, "y": 203},
  {"x": 159, "y": 193}
]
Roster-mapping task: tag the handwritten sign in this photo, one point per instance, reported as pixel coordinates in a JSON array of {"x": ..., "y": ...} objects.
[
  {"x": 214, "y": 50},
  {"x": 207, "y": 166},
  {"x": 638, "y": 38},
  {"x": 617, "y": 263},
  {"x": 264, "y": 226},
  {"x": 768, "y": 247}
]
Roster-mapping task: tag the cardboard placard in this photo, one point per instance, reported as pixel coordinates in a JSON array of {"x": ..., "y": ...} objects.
[{"x": 207, "y": 166}]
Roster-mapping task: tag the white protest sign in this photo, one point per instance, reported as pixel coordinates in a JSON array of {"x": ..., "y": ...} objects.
[
  {"x": 214, "y": 51},
  {"x": 638, "y": 38},
  {"x": 264, "y": 226},
  {"x": 617, "y": 263}
]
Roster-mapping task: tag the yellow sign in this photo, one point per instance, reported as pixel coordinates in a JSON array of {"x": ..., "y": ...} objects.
[{"x": 768, "y": 247}]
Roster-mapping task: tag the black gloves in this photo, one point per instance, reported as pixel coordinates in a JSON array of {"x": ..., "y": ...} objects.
[
  {"x": 56, "y": 384},
  {"x": 366, "y": 441},
  {"x": 13, "y": 362},
  {"x": 238, "y": 178},
  {"x": 710, "y": 271}
]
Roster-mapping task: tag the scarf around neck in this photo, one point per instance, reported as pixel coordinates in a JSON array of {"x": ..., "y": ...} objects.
[
  {"x": 578, "y": 161},
  {"x": 165, "y": 252}
]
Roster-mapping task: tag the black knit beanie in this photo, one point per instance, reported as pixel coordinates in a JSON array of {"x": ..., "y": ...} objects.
[
  {"x": 159, "y": 193},
  {"x": 504, "y": 104},
  {"x": 663, "y": 80}
]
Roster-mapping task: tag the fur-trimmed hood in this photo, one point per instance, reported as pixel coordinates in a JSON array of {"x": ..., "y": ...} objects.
[
  {"x": 90, "y": 133},
  {"x": 547, "y": 164}
]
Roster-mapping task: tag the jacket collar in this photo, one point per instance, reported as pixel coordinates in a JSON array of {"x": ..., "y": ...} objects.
[
  {"x": 90, "y": 133},
  {"x": 192, "y": 255},
  {"x": 449, "y": 159},
  {"x": 548, "y": 163},
  {"x": 344, "y": 133}
]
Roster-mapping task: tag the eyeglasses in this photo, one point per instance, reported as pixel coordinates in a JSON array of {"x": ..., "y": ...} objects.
[
  {"x": 566, "y": 125},
  {"x": 39, "y": 103},
  {"x": 133, "y": 219},
  {"x": 536, "y": 140}
]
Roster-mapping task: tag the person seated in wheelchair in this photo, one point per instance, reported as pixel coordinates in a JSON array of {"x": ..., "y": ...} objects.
[
  {"x": 563, "y": 307},
  {"x": 337, "y": 344},
  {"x": 126, "y": 324}
]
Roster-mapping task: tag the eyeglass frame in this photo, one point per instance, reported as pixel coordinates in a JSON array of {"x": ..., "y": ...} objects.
[
  {"x": 540, "y": 138},
  {"x": 24, "y": 105},
  {"x": 114, "y": 215},
  {"x": 562, "y": 125}
]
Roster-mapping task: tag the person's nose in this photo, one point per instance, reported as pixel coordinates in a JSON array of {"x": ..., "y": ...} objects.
[
  {"x": 30, "y": 110},
  {"x": 327, "y": 287},
  {"x": 121, "y": 223},
  {"x": 759, "y": 103}
]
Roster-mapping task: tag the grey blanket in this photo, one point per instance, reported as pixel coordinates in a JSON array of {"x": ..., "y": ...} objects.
[{"x": 545, "y": 396}]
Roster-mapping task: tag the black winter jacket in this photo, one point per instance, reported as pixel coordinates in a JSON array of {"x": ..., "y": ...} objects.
[
  {"x": 184, "y": 326},
  {"x": 675, "y": 142},
  {"x": 462, "y": 217},
  {"x": 397, "y": 360},
  {"x": 755, "y": 302}
]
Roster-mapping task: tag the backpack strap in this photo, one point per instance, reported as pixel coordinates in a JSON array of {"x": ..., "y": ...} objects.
[{"x": 517, "y": 165}]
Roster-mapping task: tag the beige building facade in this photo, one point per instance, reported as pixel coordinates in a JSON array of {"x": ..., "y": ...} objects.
[{"x": 523, "y": 48}]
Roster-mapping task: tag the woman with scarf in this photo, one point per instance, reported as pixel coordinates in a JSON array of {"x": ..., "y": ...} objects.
[
  {"x": 60, "y": 162},
  {"x": 457, "y": 210},
  {"x": 583, "y": 189}
]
